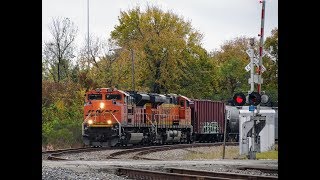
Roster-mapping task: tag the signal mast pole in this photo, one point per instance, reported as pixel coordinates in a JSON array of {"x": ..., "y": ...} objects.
[
  {"x": 251, "y": 64},
  {"x": 255, "y": 78},
  {"x": 261, "y": 49},
  {"x": 259, "y": 69},
  {"x": 251, "y": 51}
]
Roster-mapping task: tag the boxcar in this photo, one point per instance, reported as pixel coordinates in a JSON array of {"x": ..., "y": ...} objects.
[{"x": 207, "y": 118}]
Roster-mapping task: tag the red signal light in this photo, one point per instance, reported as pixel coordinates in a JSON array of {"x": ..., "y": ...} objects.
[
  {"x": 254, "y": 98},
  {"x": 239, "y": 99}
]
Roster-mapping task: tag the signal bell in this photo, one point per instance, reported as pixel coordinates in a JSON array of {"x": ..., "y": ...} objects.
[
  {"x": 239, "y": 99},
  {"x": 254, "y": 98}
]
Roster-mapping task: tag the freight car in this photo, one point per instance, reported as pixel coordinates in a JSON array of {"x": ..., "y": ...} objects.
[
  {"x": 114, "y": 117},
  {"x": 208, "y": 120},
  {"x": 232, "y": 123}
]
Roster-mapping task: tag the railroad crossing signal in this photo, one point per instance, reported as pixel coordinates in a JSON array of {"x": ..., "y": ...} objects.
[
  {"x": 239, "y": 99},
  {"x": 247, "y": 68},
  {"x": 264, "y": 98},
  {"x": 251, "y": 54},
  {"x": 254, "y": 98},
  {"x": 256, "y": 62}
]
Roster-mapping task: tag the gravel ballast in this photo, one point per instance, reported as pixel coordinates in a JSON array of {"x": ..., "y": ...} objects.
[
  {"x": 49, "y": 173},
  {"x": 97, "y": 165}
]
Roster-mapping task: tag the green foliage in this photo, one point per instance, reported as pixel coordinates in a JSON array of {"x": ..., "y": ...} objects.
[
  {"x": 271, "y": 63},
  {"x": 231, "y": 76},
  {"x": 198, "y": 76},
  {"x": 62, "y": 114},
  {"x": 62, "y": 133},
  {"x": 167, "y": 52},
  {"x": 271, "y": 44}
]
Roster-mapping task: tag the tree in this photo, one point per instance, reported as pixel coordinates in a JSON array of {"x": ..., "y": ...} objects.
[
  {"x": 95, "y": 64},
  {"x": 231, "y": 60},
  {"x": 58, "y": 52},
  {"x": 165, "y": 46},
  {"x": 271, "y": 45},
  {"x": 90, "y": 56},
  {"x": 271, "y": 64}
]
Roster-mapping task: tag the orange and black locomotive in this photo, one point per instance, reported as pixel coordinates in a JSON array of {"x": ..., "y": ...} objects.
[{"x": 112, "y": 117}]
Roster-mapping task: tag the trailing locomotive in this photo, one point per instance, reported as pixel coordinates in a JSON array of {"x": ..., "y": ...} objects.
[{"x": 112, "y": 117}]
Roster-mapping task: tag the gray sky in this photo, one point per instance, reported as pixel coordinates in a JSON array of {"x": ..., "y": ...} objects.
[{"x": 217, "y": 20}]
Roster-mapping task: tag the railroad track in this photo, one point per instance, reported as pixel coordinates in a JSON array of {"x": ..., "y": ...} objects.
[
  {"x": 262, "y": 169},
  {"x": 54, "y": 155},
  {"x": 61, "y": 150},
  {"x": 221, "y": 174},
  {"x": 186, "y": 174},
  {"x": 151, "y": 149}
]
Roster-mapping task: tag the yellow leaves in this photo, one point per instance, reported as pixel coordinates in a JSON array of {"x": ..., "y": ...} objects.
[{"x": 60, "y": 105}]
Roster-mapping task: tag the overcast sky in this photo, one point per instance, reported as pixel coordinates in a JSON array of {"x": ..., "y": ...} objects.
[{"x": 217, "y": 20}]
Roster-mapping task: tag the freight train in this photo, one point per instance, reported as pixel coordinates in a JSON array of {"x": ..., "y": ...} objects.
[{"x": 115, "y": 117}]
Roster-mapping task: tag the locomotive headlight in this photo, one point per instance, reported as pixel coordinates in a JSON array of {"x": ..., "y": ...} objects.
[
  {"x": 90, "y": 121},
  {"x": 109, "y": 122},
  {"x": 101, "y": 105}
]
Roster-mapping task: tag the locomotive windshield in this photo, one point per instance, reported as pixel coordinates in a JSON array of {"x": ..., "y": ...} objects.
[
  {"x": 95, "y": 97},
  {"x": 182, "y": 103},
  {"x": 113, "y": 96}
]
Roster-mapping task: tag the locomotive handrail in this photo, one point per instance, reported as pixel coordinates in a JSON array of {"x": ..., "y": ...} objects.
[
  {"x": 87, "y": 117},
  {"x": 85, "y": 120},
  {"x": 117, "y": 122},
  {"x": 152, "y": 125}
]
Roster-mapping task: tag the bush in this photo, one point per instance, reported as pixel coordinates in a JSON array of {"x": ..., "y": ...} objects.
[
  {"x": 62, "y": 115},
  {"x": 62, "y": 133}
]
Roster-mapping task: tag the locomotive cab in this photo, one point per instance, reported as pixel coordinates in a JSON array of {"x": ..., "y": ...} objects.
[
  {"x": 184, "y": 109},
  {"x": 102, "y": 114}
]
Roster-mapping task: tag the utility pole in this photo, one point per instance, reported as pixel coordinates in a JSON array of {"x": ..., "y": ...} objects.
[
  {"x": 132, "y": 67},
  {"x": 88, "y": 31}
]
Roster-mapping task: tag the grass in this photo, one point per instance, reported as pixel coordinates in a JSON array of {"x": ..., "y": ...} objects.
[
  {"x": 50, "y": 147},
  {"x": 232, "y": 152},
  {"x": 272, "y": 154},
  {"x": 267, "y": 155}
]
